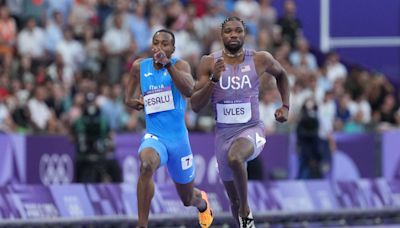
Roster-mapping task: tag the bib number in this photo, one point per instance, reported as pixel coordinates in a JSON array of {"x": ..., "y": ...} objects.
[
  {"x": 158, "y": 100},
  {"x": 233, "y": 112},
  {"x": 187, "y": 162}
]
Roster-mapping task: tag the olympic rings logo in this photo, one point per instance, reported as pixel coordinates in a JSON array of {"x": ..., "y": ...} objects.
[{"x": 55, "y": 169}]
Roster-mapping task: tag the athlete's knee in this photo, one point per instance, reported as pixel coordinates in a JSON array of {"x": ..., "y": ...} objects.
[
  {"x": 149, "y": 162},
  {"x": 234, "y": 159},
  {"x": 148, "y": 167}
]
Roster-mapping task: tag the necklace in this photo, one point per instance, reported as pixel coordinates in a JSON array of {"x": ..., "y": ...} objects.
[{"x": 233, "y": 55}]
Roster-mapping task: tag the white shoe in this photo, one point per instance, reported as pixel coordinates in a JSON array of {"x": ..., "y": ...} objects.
[{"x": 247, "y": 222}]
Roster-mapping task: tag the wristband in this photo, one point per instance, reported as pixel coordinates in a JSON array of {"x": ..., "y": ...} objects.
[
  {"x": 286, "y": 106},
  {"x": 168, "y": 64},
  {"x": 213, "y": 79}
]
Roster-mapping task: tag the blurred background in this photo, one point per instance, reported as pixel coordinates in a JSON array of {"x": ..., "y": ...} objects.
[{"x": 64, "y": 65}]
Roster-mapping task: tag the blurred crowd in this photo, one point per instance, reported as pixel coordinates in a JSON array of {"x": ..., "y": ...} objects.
[{"x": 63, "y": 59}]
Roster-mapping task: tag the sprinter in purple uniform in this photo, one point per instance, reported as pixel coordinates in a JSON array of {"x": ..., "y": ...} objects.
[{"x": 230, "y": 77}]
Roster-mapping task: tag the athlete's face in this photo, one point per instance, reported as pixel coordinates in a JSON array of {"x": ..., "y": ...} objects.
[
  {"x": 163, "y": 41},
  {"x": 233, "y": 36}
]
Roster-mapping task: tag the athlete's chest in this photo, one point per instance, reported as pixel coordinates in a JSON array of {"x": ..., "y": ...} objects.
[
  {"x": 156, "y": 80},
  {"x": 157, "y": 91},
  {"x": 239, "y": 77}
]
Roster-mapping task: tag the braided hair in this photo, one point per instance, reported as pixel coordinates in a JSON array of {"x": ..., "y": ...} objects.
[{"x": 233, "y": 18}]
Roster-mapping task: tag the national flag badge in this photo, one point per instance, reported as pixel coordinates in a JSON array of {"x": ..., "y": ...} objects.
[{"x": 245, "y": 68}]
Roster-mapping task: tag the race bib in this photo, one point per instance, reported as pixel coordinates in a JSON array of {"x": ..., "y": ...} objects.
[
  {"x": 187, "y": 162},
  {"x": 233, "y": 112},
  {"x": 158, "y": 100}
]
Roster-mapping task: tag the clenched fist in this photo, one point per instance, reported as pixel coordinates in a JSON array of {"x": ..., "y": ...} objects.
[
  {"x": 281, "y": 114},
  {"x": 219, "y": 66},
  {"x": 135, "y": 103}
]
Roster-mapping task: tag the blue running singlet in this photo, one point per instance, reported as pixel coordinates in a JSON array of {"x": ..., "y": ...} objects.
[{"x": 166, "y": 131}]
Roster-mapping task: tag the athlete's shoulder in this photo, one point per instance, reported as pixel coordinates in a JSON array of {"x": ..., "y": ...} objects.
[
  {"x": 175, "y": 60},
  {"x": 145, "y": 60},
  {"x": 262, "y": 56},
  {"x": 138, "y": 62},
  {"x": 180, "y": 63}
]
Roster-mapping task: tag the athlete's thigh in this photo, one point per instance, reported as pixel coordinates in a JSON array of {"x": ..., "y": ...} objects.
[
  {"x": 242, "y": 148},
  {"x": 152, "y": 142},
  {"x": 221, "y": 151},
  {"x": 254, "y": 137},
  {"x": 180, "y": 161}
]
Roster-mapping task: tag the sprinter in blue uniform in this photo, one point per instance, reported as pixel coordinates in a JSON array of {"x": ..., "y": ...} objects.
[{"x": 164, "y": 84}]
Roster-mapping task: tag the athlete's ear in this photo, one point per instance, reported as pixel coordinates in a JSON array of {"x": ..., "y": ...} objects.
[{"x": 173, "y": 49}]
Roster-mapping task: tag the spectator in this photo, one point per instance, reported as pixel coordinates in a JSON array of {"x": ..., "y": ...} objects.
[
  {"x": 290, "y": 24},
  {"x": 92, "y": 47},
  {"x": 95, "y": 160},
  {"x": 54, "y": 34},
  {"x": 385, "y": 116},
  {"x": 6, "y": 123},
  {"x": 377, "y": 90},
  {"x": 41, "y": 116},
  {"x": 72, "y": 55},
  {"x": 8, "y": 34},
  {"x": 343, "y": 114},
  {"x": 249, "y": 11},
  {"x": 302, "y": 57},
  {"x": 264, "y": 40},
  {"x": 268, "y": 105},
  {"x": 326, "y": 119},
  {"x": 104, "y": 10},
  {"x": 308, "y": 142},
  {"x": 121, "y": 11},
  {"x": 62, "y": 6},
  {"x": 139, "y": 28},
  {"x": 116, "y": 42},
  {"x": 32, "y": 41},
  {"x": 335, "y": 70},
  {"x": 113, "y": 110},
  {"x": 83, "y": 14},
  {"x": 360, "y": 107},
  {"x": 268, "y": 15}
]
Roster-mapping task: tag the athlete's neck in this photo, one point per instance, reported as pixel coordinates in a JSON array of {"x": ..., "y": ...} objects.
[
  {"x": 233, "y": 55},
  {"x": 157, "y": 66}
]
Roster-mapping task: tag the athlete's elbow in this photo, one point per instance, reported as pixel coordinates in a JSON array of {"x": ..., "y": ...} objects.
[
  {"x": 188, "y": 93},
  {"x": 196, "y": 108}
]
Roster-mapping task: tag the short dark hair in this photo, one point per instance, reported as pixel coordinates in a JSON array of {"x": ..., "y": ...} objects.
[
  {"x": 167, "y": 31},
  {"x": 233, "y": 18}
]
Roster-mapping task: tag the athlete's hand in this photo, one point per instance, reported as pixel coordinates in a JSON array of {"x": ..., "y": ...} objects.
[
  {"x": 135, "y": 103},
  {"x": 160, "y": 57},
  {"x": 219, "y": 67},
  {"x": 281, "y": 114}
]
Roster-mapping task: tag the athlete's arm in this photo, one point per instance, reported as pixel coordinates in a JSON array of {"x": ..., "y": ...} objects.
[
  {"x": 204, "y": 87},
  {"x": 133, "y": 97},
  {"x": 268, "y": 64},
  {"x": 182, "y": 77}
]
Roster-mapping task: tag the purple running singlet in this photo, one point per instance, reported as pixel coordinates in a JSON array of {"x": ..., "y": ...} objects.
[{"x": 235, "y": 103}]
